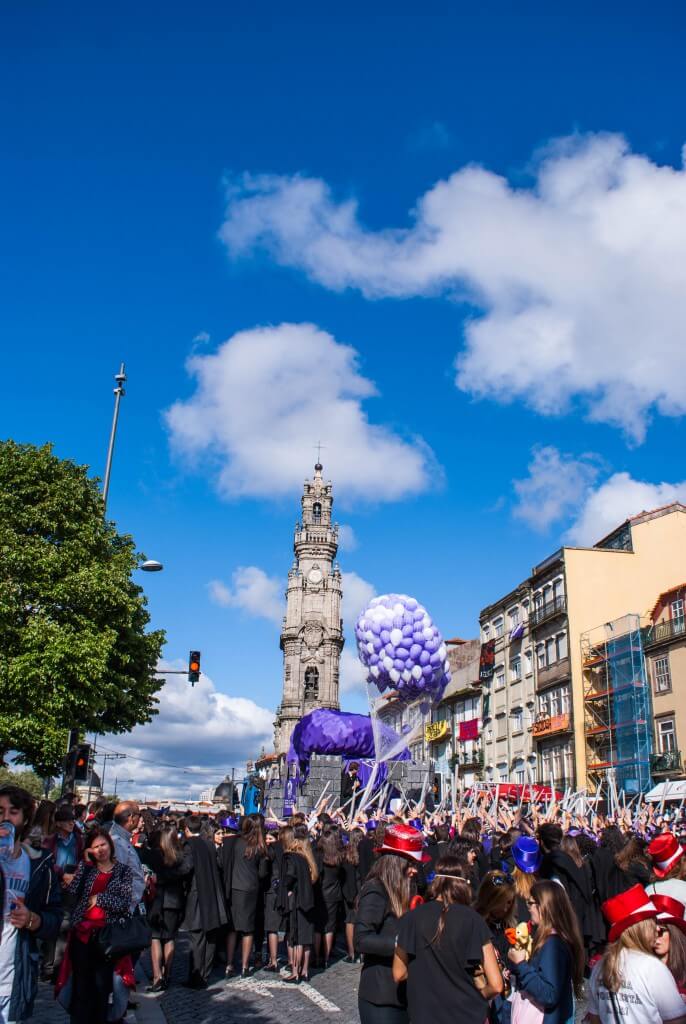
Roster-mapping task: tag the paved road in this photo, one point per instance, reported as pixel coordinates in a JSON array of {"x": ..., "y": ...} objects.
[{"x": 261, "y": 999}]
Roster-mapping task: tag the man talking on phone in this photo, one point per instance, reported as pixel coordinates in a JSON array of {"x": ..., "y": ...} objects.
[{"x": 31, "y": 902}]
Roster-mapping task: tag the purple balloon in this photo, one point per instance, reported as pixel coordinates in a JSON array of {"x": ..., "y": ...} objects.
[
  {"x": 402, "y": 653},
  {"x": 407, "y": 631},
  {"x": 386, "y": 635}
]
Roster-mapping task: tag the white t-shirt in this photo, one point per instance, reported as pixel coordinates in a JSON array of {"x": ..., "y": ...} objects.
[
  {"x": 17, "y": 873},
  {"x": 648, "y": 994},
  {"x": 674, "y": 887}
]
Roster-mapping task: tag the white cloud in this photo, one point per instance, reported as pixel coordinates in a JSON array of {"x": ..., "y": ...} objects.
[
  {"x": 198, "y": 729},
  {"x": 263, "y": 398},
  {"x": 357, "y": 593},
  {"x": 353, "y": 676},
  {"x": 347, "y": 541},
  {"x": 555, "y": 487},
  {"x": 581, "y": 279},
  {"x": 253, "y": 591},
  {"x": 617, "y": 499}
]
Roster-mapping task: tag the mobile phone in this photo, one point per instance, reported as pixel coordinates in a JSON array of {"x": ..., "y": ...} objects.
[{"x": 90, "y": 855}]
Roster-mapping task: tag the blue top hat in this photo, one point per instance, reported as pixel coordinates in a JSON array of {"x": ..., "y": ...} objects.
[
  {"x": 370, "y": 825},
  {"x": 230, "y": 822},
  {"x": 526, "y": 853}
]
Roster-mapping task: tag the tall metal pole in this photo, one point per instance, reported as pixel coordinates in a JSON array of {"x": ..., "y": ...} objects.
[{"x": 118, "y": 393}]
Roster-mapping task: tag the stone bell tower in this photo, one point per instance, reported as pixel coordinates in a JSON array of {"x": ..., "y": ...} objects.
[{"x": 312, "y": 634}]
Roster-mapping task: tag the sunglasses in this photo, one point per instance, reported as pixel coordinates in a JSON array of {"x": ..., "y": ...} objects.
[
  {"x": 502, "y": 880},
  {"x": 661, "y": 931}
]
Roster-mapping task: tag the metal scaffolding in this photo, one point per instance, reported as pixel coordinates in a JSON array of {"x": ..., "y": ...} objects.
[{"x": 617, "y": 707}]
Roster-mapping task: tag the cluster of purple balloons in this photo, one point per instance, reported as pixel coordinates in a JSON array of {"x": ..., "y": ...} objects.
[{"x": 401, "y": 648}]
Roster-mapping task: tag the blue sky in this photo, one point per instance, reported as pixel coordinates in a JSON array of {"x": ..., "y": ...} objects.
[{"x": 551, "y": 270}]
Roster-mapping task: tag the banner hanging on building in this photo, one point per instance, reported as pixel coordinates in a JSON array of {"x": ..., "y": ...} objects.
[
  {"x": 487, "y": 661},
  {"x": 469, "y": 730}
]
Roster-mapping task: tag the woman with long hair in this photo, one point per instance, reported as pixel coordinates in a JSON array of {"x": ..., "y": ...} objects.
[
  {"x": 526, "y": 855},
  {"x": 171, "y": 864},
  {"x": 629, "y": 983},
  {"x": 328, "y": 892},
  {"x": 300, "y": 873},
  {"x": 352, "y": 882},
  {"x": 444, "y": 953},
  {"x": 632, "y": 861},
  {"x": 274, "y": 914},
  {"x": 670, "y": 941},
  {"x": 101, "y": 888},
  {"x": 554, "y": 973},
  {"x": 384, "y": 898},
  {"x": 495, "y": 902},
  {"x": 239, "y": 861}
]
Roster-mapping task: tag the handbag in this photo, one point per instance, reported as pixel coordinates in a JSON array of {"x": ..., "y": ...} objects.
[{"x": 124, "y": 936}]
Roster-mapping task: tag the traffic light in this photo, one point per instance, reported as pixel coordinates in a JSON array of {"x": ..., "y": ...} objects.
[
  {"x": 78, "y": 762},
  {"x": 193, "y": 667}
]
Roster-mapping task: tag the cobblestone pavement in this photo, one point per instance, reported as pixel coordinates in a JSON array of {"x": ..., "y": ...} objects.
[{"x": 261, "y": 999}]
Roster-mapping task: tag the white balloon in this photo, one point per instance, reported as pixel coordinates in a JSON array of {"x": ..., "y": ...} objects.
[
  {"x": 407, "y": 675},
  {"x": 388, "y": 663},
  {"x": 417, "y": 672},
  {"x": 427, "y": 633},
  {"x": 374, "y": 670},
  {"x": 370, "y": 648},
  {"x": 442, "y": 653},
  {"x": 395, "y": 675},
  {"x": 396, "y": 637}
]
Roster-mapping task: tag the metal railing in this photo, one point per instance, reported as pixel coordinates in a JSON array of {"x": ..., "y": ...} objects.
[
  {"x": 668, "y": 761},
  {"x": 665, "y": 630},
  {"x": 558, "y": 606}
]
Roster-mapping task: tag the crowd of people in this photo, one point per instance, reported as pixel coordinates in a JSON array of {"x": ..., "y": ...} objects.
[{"x": 496, "y": 913}]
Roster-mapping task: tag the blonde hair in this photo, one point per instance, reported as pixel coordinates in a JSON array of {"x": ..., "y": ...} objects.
[
  {"x": 524, "y": 882},
  {"x": 303, "y": 847},
  {"x": 639, "y": 937}
]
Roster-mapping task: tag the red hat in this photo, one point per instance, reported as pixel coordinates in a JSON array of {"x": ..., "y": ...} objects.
[
  {"x": 405, "y": 841},
  {"x": 664, "y": 851},
  {"x": 628, "y": 908},
  {"x": 670, "y": 911}
]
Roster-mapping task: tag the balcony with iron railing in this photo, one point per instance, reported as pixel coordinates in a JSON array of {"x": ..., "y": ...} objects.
[
  {"x": 661, "y": 632},
  {"x": 668, "y": 761},
  {"x": 548, "y": 610},
  {"x": 553, "y": 673}
]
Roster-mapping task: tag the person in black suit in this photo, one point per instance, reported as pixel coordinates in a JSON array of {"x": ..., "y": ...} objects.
[{"x": 205, "y": 910}]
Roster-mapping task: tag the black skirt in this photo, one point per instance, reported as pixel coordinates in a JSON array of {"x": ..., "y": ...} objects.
[
  {"x": 300, "y": 927},
  {"x": 274, "y": 921},
  {"x": 165, "y": 924},
  {"x": 244, "y": 911},
  {"x": 327, "y": 917}
]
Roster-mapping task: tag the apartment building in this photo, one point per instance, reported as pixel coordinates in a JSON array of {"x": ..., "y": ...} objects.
[
  {"x": 539, "y": 700},
  {"x": 664, "y": 642}
]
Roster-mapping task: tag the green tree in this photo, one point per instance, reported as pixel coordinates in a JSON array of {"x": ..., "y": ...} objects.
[
  {"x": 74, "y": 651},
  {"x": 26, "y": 779}
]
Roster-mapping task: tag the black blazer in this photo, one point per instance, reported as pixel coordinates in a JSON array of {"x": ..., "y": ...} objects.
[
  {"x": 376, "y": 927},
  {"x": 172, "y": 882}
]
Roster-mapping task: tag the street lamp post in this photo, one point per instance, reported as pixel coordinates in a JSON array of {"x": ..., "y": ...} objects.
[{"x": 120, "y": 378}]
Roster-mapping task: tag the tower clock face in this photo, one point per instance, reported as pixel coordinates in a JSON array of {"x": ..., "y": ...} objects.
[{"x": 315, "y": 575}]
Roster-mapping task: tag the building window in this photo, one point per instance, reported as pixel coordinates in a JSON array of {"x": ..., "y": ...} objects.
[
  {"x": 518, "y": 772},
  {"x": 486, "y": 629},
  {"x": 550, "y": 650},
  {"x": 561, "y": 646},
  {"x": 513, "y": 616},
  {"x": 677, "y": 609},
  {"x": 498, "y": 626},
  {"x": 558, "y": 588},
  {"x": 317, "y": 512},
  {"x": 525, "y": 608},
  {"x": 528, "y": 662},
  {"x": 666, "y": 735},
  {"x": 499, "y": 677},
  {"x": 311, "y": 683},
  {"x": 517, "y": 720},
  {"x": 501, "y": 727},
  {"x": 661, "y": 675},
  {"x": 538, "y": 600},
  {"x": 516, "y": 669},
  {"x": 502, "y": 772},
  {"x": 540, "y": 655}
]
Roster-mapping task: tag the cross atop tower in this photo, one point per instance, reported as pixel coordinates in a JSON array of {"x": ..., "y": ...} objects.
[{"x": 319, "y": 447}]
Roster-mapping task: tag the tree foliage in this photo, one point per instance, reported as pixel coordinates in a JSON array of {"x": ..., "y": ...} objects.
[
  {"x": 26, "y": 779},
  {"x": 74, "y": 651}
]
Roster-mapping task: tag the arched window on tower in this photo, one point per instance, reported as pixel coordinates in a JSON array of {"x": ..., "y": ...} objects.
[
  {"x": 311, "y": 683},
  {"x": 317, "y": 512}
]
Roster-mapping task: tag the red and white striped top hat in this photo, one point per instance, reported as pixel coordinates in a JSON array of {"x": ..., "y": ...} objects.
[
  {"x": 670, "y": 911},
  {"x": 628, "y": 908},
  {"x": 664, "y": 851}
]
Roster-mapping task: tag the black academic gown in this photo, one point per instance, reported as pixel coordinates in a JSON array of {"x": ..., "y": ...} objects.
[{"x": 205, "y": 910}]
